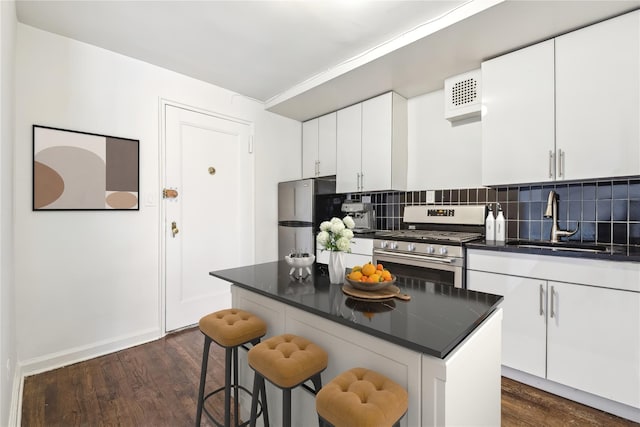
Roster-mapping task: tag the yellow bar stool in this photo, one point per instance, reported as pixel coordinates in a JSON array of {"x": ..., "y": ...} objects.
[
  {"x": 361, "y": 397},
  {"x": 230, "y": 329},
  {"x": 287, "y": 361}
]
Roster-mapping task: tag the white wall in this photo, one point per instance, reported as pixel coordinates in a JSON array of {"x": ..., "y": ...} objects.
[
  {"x": 436, "y": 146},
  {"x": 8, "y": 380},
  {"x": 88, "y": 282}
]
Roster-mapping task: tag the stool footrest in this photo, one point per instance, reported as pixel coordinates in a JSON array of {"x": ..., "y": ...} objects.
[{"x": 233, "y": 386}]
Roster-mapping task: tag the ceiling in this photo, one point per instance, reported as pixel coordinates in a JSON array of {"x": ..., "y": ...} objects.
[{"x": 306, "y": 58}]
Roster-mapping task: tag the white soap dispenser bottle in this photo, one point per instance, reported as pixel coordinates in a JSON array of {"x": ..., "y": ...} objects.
[
  {"x": 500, "y": 225},
  {"x": 489, "y": 224}
]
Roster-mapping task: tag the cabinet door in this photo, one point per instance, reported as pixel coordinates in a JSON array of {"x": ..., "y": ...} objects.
[
  {"x": 593, "y": 341},
  {"x": 309, "y": 148},
  {"x": 524, "y": 321},
  {"x": 349, "y": 138},
  {"x": 598, "y": 99},
  {"x": 327, "y": 145},
  {"x": 518, "y": 116},
  {"x": 377, "y": 128}
]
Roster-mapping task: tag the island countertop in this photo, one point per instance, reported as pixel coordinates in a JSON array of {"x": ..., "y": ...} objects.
[{"x": 436, "y": 319}]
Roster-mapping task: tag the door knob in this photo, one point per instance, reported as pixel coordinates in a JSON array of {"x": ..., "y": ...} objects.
[{"x": 174, "y": 229}]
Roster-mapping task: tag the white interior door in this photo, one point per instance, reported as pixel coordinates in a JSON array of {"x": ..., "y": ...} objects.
[{"x": 208, "y": 162}]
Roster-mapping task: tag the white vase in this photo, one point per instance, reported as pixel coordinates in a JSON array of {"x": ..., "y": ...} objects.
[{"x": 336, "y": 267}]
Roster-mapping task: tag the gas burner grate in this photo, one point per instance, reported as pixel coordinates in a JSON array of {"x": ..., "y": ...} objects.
[{"x": 434, "y": 235}]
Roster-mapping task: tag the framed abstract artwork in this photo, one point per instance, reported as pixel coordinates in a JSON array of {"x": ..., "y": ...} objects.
[{"x": 84, "y": 171}]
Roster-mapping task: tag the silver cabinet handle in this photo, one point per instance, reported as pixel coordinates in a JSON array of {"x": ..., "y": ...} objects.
[
  {"x": 361, "y": 182},
  {"x": 551, "y": 162},
  {"x": 551, "y": 312},
  {"x": 541, "y": 300},
  {"x": 560, "y": 163}
]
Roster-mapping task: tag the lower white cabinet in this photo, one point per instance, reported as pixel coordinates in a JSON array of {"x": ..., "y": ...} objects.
[
  {"x": 524, "y": 325},
  {"x": 593, "y": 340},
  {"x": 582, "y": 335},
  {"x": 361, "y": 253}
]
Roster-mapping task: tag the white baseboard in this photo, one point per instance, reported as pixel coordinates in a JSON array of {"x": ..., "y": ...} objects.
[
  {"x": 56, "y": 360},
  {"x": 615, "y": 408},
  {"x": 15, "y": 411}
]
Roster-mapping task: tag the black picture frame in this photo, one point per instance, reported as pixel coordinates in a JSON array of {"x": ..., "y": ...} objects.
[{"x": 82, "y": 171}]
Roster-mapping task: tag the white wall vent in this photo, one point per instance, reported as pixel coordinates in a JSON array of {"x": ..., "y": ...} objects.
[{"x": 462, "y": 96}]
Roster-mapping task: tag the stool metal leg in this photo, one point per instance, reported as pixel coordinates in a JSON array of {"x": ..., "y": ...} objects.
[
  {"x": 265, "y": 410},
  {"x": 258, "y": 387},
  {"x": 227, "y": 386},
  {"x": 236, "y": 387},
  {"x": 286, "y": 407},
  {"x": 203, "y": 377},
  {"x": 317, "y": 384}
]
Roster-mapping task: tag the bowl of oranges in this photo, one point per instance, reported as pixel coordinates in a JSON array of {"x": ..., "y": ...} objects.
[{"x": 370, "y": 277}]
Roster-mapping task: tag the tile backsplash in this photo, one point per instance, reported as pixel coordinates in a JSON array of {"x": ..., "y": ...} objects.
[{"x": 604, "y": 211}]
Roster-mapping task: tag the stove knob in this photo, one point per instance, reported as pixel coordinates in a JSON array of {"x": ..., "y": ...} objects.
[
  {"x": 443, "y": 251},
  {"x": 411, "y": 247},
  {"x": 384, "y": 244},
  {"x": 394, "y": 245},
  {"x": 430, "y": 250}
]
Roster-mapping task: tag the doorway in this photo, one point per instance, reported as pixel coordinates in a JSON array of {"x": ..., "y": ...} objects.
[{"x": 207, "y": 210}]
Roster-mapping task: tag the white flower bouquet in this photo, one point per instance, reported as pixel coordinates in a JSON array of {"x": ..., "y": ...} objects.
[{"x": 336, "y": 235}]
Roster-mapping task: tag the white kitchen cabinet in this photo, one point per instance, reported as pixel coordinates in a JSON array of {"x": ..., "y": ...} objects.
[
  {"x": 518, "y": 116},
  {"x": 593, "y": 341},
  {"x": 564, "y": 109},
  {"x": 372, "y": 145},
  {"x": 598, "y": 99},
  {"x": 442, "y": 155},
  {"x": 572, "y": 321},
  {"x": 348, "y": 161},
  {"x": 361, "y": 253},
  {"x": 319, "y": 146},
  {"x": 524, "y": 325}
]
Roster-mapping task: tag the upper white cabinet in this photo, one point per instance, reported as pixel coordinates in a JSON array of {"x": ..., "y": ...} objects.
[
  {"x": 565, "y": 109},
  {"x": 319, "y": 146},
  {"x": 372, "y": 145},
  {"x": 443, "y": 155},
  {"x": 348, "y": 162},
  {"x": 598, "y": 100},
  {"x": 518, "y": 117}
]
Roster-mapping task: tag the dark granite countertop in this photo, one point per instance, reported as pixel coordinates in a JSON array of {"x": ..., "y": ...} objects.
[
  {"x": 628, "y": 253},
  {"x": 436, "y": 319},
  {"x": 367, "y": 235}
]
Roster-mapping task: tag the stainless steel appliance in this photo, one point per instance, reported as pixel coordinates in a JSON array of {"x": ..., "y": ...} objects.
[
  {"x": 363, "y": 214},
  {"x": 302, "y": 205},
  {"x": 431, "y": 246}
]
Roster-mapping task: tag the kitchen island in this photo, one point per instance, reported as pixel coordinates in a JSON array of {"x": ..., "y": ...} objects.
[{"x": 443, "y": 345}]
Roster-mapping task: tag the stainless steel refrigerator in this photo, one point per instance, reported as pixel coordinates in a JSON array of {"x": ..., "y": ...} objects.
[{"x": 302, "y": 205}]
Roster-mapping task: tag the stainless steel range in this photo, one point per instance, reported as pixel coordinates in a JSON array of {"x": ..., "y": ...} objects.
[{"x": 431, "y": 245}]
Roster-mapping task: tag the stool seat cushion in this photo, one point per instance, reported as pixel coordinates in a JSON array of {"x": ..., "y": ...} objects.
[
  {"x": 362, "y": 397},
  {"x": 287, "y": 360},
  {"x": 232, "y": 327}
]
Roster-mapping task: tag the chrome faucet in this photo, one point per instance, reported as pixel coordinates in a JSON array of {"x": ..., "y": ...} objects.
[{"x": 552, "y": 212}]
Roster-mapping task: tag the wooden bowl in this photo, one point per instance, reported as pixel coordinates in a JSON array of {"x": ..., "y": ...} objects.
[{"x": 366, "y": 286}]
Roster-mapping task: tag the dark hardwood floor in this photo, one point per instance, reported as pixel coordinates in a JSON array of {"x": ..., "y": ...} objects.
[{"x": 156, "y": 384}]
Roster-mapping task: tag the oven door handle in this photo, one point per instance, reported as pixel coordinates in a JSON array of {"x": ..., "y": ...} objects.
[{"x": 419, "y": 257}]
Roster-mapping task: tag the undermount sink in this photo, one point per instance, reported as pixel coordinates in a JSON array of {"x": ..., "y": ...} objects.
[{"x": 561, "y": 246}]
